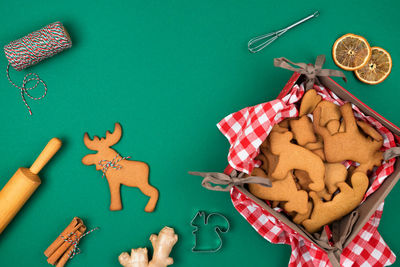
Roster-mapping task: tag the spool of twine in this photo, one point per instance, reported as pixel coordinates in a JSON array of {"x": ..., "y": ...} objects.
[{"x": 33, "y": 48}]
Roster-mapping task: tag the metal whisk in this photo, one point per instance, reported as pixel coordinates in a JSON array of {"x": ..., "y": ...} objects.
[{"x": 260, "y": 42}]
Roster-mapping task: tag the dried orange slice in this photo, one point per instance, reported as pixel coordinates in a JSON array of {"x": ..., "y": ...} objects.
[
  {"x": 351, "y": 52},
  {"x": 378, "y": 67}
]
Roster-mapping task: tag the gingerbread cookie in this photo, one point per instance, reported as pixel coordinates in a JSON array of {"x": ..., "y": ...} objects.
[
  {"x": 320, "y": 153},
  {"x": 317, "y": 145},
  {"x": 299, "y": 218},
  {"x": 329, "y": 111},
  {"x": 333, "y": 126},
  {"x": 292, "y": 156},
  {"x": 342, "y": 127},
  {"x": 309, "y": 101},
  {"x": 304, "y": 159},
  {"x": 281, "y": 190},
  {"x": 271, "y": 159},
  {"x": 304, "y": 181},
  {"x": 334, "y": 174},
  {"x": 302, "y": 129},
  {"x": 279, "y": 129},
  {"x": 344, "y": 202},
  {"x": 330, "y": 116},
  {"x": 118, "y": 170},
  {"x": 285, "y": 123},
  {"x": 369, "y": 130},
  {"x": 351, "y": 144}
]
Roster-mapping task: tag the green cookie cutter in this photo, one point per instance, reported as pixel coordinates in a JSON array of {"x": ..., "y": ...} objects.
[{"x": 217, "y": 230}]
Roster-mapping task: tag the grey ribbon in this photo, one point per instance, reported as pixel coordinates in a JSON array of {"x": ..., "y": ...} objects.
[
  {"x": 341, "y": 230},
  {"x": 311, "y": 71},
  {"x": 334, "y": 256},
  {"x": 214, "y": 180},
  {"x": 340, "y": 234},
  {"x": 391, "y": 153},
  {"x": 333, "y": 252}
]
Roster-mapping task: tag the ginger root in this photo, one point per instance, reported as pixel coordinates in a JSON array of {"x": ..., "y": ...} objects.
[
  {"x": 162, "y": 246},
  {"x": 138, "y": 258}
]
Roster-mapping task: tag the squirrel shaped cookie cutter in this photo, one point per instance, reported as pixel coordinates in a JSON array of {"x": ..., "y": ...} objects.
[{"x": 217, "y": 229}]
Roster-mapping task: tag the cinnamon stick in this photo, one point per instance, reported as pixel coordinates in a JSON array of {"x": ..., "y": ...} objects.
[
  {"x": 59, "y": 246},
  {"x": 65, "y": 257}
]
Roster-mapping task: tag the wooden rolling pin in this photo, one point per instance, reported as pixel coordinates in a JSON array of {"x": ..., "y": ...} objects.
[{"x": 23, "y": 183}]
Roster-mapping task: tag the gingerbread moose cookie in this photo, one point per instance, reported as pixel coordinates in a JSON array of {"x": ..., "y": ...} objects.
[
  {"x": 303, "y": 157},
  {"x": 119, "y": 170}
]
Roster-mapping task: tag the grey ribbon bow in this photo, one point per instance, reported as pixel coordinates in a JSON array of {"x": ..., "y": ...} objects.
[
  {"x": 341, "y": 230},
  {"x": 391, "y": 153},
  {"x": 334, "y": 251},
  {"x": 213, "y": 180},
  {"x": 311, "y": 71}
]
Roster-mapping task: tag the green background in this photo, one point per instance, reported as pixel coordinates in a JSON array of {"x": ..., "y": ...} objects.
[{"x": 168, "y": 71}]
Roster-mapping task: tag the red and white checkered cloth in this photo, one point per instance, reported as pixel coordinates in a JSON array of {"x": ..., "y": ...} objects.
[
  {"x": 247, "y": 129},
  {"x": 367, "y": 248}
]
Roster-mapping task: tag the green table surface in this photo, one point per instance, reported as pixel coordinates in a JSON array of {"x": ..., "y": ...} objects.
[{"x": 168, "y": 71}]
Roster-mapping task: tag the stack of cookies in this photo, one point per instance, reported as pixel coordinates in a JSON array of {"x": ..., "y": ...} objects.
[{"x": 304, "y": 157}]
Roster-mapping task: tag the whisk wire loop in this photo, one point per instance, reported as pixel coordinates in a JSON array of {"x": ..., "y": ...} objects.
[{"x": 258, "y": 43}]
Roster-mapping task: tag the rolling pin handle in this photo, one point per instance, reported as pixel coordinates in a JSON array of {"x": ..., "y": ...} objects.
[{"x": 47, "y": 153}]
